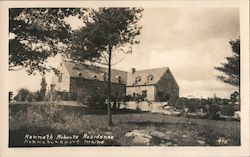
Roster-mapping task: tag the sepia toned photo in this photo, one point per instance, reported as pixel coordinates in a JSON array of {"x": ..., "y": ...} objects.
[{"x": 126, "y": 76}]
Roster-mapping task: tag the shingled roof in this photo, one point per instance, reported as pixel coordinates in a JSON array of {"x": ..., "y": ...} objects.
[
  {"x": 137, "y": 78},
  {"x": 93, "y": 72},
  {"x": 145, "y": 77}
]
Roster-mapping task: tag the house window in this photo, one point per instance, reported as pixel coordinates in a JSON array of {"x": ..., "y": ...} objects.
[
  {"x": 118, "y": 77},
  {"x": 144, "y": 93},
  {"x": 79, "y": 74},
  {"x": 133, "y": 95},
  {"x": 94, "y": 77},
  {"x": 60, "y": 78},
  {"x": 149, "y": 78},
  {"x": 137, "y": 79},
  {"x": 104, "y": 75}
]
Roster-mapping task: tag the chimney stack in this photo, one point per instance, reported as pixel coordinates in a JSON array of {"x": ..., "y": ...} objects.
[{"x": 132, "y": 70}]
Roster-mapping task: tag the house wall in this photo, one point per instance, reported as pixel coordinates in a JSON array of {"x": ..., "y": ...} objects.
[
  {"x": 138, "y": 90},
  {"x": 83, "y": 87},
  {"x": 65, "y": 84},
  {"x": 167, "y": 85}
]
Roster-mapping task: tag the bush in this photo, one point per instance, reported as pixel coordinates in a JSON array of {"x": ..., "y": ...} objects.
[
  {"x": 228, "y": 110},
  {"x": 127, "y": 98},
  {"x": 24, "y": 95},
  {"x": 235, "y": 97},
  {"x": 137, "y": 97},
  {"x": 72, "y": 97},
  {"x": 212, "y": 106},
  {"x": 64, "y": 96},
  {"x": 213, "y": 111},
  {"x": 95, "y": 101},
  {"x": 163, "y": 97}
]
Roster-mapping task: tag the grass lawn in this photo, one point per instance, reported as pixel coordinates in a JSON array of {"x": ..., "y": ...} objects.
[{"x": 153, "y": 129}]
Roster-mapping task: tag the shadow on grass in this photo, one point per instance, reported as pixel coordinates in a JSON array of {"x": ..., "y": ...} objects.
[
  {"x": 113, "y": 111},
  {"x": 145, "y": 123}
]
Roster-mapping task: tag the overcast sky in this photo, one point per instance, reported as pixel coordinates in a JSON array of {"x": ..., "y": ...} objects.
[{"x": 190, "y": 41}]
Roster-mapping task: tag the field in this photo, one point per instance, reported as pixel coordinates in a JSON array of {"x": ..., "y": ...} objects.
[{"x": 78, "y": 126}]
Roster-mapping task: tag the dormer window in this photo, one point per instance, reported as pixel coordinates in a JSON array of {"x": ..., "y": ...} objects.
[
  {"x": 79, "y": 74},
  {"x": 150, "y": 77},
  {"x": 104, "y": 76},
  {"x": 137, "y": 79},
  {"x": 118, "y": 77},
  {"x": 94, "y": 77}
]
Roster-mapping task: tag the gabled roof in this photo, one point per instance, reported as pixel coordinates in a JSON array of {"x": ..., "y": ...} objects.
[
  {"x": 145, "y": 77},
  {"x": 93, "y": 72}
]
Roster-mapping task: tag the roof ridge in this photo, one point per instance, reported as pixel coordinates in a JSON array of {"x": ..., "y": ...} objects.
[
  {"x": 83, "y": 64},
  {"x": 152, "y": 69}
]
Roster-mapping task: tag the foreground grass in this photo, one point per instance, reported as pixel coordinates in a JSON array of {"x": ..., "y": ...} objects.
[{"x": 42, "y": 120}]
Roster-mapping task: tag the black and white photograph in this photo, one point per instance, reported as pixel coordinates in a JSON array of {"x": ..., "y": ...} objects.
[{"x": 126, "y": 76}]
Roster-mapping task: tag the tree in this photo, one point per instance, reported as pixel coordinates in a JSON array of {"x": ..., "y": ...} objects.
[
  {"x": 43, "y": 88},
  {"x": 231, "y": 69},
  {"x": 36, "y": 34},
  {"x": 235, "y": 96},
  {"x": 23, "y": 95},
  {"x": 107, "y": 32},
  {"x": 39, "y": 95}
]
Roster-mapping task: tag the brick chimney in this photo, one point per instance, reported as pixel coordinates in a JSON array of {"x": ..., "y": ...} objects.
[{"x": 132, "y": 70}]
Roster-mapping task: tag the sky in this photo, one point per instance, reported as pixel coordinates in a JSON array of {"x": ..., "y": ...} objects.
[{"x": 190, "y": 41}]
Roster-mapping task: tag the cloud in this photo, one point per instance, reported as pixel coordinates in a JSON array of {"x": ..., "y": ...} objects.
[
  {"x": 184, "y": 27},
  {"x": 191, "y": 41}
]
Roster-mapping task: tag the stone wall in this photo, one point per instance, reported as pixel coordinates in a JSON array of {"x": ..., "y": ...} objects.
[{"x": 167, "y": 85}]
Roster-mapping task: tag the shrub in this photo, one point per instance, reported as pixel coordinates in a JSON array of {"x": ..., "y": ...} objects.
[
  {"x": 228, "y": 110},
  {"x": 213, "y": 112},
  {"x": 72, "y": 97},
  {"x": 137, "y": 97},
  {"x": 235, "y": 97},
  {"x": 64, "y": 96},
  {"x": 163, "y": 97},
  {"x": 24, "y": 95},
  {"x": 96, "y": 101},
  {"x": 127, "y": 98},
  {"x": 212, "y": 106}
]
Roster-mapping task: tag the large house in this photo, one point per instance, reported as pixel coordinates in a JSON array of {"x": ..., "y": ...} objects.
[{"x": 82, "y": 79}]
